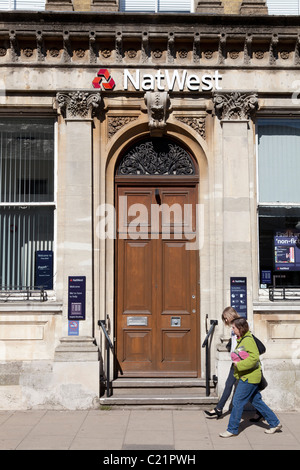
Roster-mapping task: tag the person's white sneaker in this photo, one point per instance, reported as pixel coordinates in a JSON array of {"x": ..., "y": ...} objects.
[
  {"x": 226, "y": 434},
  {"x": 273, "y": 430}
]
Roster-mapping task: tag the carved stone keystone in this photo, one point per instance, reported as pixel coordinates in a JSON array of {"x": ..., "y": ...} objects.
[{"x": 158, "y": 104}]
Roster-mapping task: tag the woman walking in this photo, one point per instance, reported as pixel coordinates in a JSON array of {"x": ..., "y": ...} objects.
[
  {"x": 247, "y": 371},
  {"x": 229, "y": 314}
]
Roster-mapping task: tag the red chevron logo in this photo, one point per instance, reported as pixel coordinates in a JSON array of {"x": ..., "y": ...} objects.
[{"x": 108, "y": 84}]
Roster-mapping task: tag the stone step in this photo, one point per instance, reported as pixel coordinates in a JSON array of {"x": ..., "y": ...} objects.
[
  {"x": 159, "y": 392},
  {"x": 159, "y": 386},
  {"x": 158, "y": 400}
]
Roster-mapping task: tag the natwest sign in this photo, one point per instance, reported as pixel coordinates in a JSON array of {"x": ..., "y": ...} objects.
[
  {"x": 159, "y": 80},
  {"x": 169, "y": 80}
]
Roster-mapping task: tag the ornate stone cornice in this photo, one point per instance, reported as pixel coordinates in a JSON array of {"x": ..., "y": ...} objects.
[
  {"x": 78, "y": 104},
  {"x": 235, "y": 106}
]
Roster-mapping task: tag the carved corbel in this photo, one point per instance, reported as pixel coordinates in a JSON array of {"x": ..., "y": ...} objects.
[
  {"x": 78, "y": 104},
  {"x": 158, "y": 105},
  {"x": 235, "y": 106}
]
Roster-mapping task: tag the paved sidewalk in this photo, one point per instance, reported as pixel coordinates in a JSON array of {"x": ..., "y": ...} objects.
[{"x": 138, "y": 429}]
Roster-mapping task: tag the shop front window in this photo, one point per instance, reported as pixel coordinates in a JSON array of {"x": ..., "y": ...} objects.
[
  {"x": 27, "y": 203},
  {"x": 279, "y": 203}
]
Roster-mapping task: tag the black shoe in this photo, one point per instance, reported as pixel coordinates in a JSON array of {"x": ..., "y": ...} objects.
[
  {"x": 257, "y": 417},
  {"x": 214, "y": 412}
]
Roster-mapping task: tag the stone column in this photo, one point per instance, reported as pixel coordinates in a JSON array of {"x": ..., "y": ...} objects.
[
  {"x": 234, "y": 111},
  {"x": 212, "y": 6},
  {"x": 75, "y": 232},
  {"x": 253, "y": 7}
]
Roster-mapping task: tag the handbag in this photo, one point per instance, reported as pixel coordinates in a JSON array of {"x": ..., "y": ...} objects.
[
  {"x": 260, "y": 346},
  {"x": 263, "y": 383}
]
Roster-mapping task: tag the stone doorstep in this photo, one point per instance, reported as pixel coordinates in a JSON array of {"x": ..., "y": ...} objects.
[
  {"x": 158, "y": 400},
  {"x": 163, "y": 392}
]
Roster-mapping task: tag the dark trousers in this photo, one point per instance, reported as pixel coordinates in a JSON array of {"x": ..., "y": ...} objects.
[{"x": 230, "y": 382}]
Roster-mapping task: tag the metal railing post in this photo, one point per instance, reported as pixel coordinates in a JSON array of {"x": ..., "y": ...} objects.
[
  {"x": 109, "y": 346},
  {"x": 207, "y": 354}
]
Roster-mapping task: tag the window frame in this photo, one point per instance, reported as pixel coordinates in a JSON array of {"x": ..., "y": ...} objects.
[
  {"x": 293, "y": 290},
  {"x": 156, "y": 9},
  {"x": 34, "y": 294}
]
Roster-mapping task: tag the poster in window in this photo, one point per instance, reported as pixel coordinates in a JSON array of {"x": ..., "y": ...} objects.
[
  {"x": 287, "y": 253},
  {"x": 44, "y": 270}
]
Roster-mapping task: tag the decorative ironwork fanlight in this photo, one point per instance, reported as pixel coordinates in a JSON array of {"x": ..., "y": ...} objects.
[{"x": 156, "y": 156}]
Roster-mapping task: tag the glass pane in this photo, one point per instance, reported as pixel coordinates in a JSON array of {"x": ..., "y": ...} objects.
[
  {"x": 26, "y": 160},
  {"x": 133, "y": 5},
  {"x": 23, "y": 232},
  {"x": 279, "y": 160},
  {"x": 173, "y": 6},
  {"x": 279, "y": 246}
]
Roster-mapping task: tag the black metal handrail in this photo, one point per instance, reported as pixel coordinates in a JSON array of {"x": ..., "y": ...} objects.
[
  {"x": 206, "y": 345},
  {"x": 109, "y": 346}
]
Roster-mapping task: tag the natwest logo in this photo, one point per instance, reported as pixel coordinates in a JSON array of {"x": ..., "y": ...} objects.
[
  {"x": 108, "y": 83},
  {"x": 168, "y": 80}
]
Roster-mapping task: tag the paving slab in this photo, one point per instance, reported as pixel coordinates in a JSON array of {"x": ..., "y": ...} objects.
[{"x": 118, "y": 431}]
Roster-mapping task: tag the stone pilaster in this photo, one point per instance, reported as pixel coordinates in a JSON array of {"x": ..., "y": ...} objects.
[
  {"x": 76, "y": 358},
  {"x": 235, "y": 111},
  {"x": 75, "y": 252}
]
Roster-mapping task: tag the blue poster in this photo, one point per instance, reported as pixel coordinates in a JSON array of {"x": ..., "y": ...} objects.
[
  {"x": 76, "y": 298},
  {"x": 287, "y": 253},
  {"x": 238, "y": 295},
  {"x": 44, "y": 270}
]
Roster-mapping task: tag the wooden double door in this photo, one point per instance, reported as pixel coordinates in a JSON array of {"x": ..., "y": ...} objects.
[{"x": 157, "y": 301}]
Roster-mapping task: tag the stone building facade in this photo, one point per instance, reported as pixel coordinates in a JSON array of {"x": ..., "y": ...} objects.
[{"x": 106, "y": 118}]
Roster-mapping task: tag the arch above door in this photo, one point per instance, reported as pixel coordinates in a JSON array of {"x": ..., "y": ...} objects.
[
  {"x": 156, "y": 156},
  {"x": 156, "y": 276}
]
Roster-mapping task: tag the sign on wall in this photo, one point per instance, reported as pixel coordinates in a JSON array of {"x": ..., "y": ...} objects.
[
  {"x": 76, "y": 297},
  {"x": 238, "y": 295},
  {"x": 158, "y": 80}
]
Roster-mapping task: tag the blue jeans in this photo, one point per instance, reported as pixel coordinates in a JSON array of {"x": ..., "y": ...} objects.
[
  {"x": 249, "y": 392},
  {"x": 227, "y": 390}
]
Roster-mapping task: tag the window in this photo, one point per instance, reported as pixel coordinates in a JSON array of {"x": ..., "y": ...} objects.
[
  {"x": 155, "y": 6},
  {"x": 27, "y": 200},
  {"x": 283, "y": 7},
  {"x": 279, "y": 201},
  {"x": 22, "y": 5}
]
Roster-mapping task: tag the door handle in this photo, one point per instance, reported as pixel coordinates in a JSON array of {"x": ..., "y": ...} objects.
[{"x": 157, "y": 196}]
